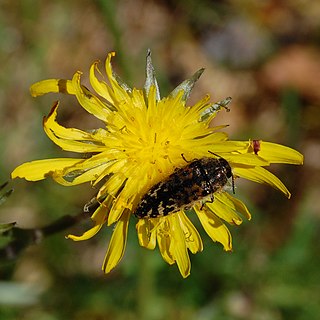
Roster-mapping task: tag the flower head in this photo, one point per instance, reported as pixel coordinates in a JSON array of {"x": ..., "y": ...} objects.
[{"x": 143, "y": 140}]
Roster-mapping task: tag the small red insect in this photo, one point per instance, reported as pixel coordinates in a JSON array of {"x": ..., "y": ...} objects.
[{"x": 256, "y": 146}]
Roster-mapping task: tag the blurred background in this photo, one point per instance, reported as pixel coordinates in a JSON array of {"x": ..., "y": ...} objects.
[{"x": 266, "y": 55}]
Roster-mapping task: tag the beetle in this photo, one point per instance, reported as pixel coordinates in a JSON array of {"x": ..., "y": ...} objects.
[{"x": 195, "y": 182}]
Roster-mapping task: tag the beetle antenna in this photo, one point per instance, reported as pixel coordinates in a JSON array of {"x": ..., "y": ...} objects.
[
  {"x": 183, "y": 157},
  {"x": 214, "y": 154},
  {"x": 233, "y": 186}
]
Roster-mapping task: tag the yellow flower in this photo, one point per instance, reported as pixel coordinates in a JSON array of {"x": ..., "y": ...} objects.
[{"x": 144, "y": 138}]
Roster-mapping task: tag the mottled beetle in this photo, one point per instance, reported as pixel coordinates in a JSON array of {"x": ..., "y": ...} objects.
[{"x": 196, "y": 181}]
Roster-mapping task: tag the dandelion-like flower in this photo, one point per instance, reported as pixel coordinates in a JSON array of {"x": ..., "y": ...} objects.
[{"x": 144, "y": 140}]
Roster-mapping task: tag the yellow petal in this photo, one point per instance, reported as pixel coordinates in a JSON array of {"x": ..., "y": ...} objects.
[
  {"x": 40, "y": 169},
  {"x": 98, "y": 86},
  {"x": 247, "y": 159},
  {"x": 178, "y": 247},
  {"x": 213, "y": 226},
  {"x": 112, "y": 185},
  {"x": 212, "y": 141},
  {"x": 261, "y": 175},
  {"x": 217, "y": 143},
  {"x": 86, "y": 170},
  {"x": 192, "y": 237},
  {"x": 234, "y": 203},
  {"x": 52, "y": 86},
  {"x": 146, "y": 233},
  {"x": 119, "y": 93},
  {"x": 164, "y": 242},
  {"x": 89, "y": 101},
  {"x": 164, "y": 239},
  {"x": 99, "y": 218},
  {"x": 70, "y": 139},
  {"x": 118, "y": 207},
  {"x": 224, "y": 211},
  {"x": 86, "y": 235},
  {"x": 227, "y": 207},
  {"x": 80, "y": 173},
  {"x": 277, "y": 153},
  {"x": 117, "y": 243},
  {"x": 229, "y": 146}
]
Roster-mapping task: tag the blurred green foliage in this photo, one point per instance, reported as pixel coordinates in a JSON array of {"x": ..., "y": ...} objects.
[{"x": 265, "y": 54}]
